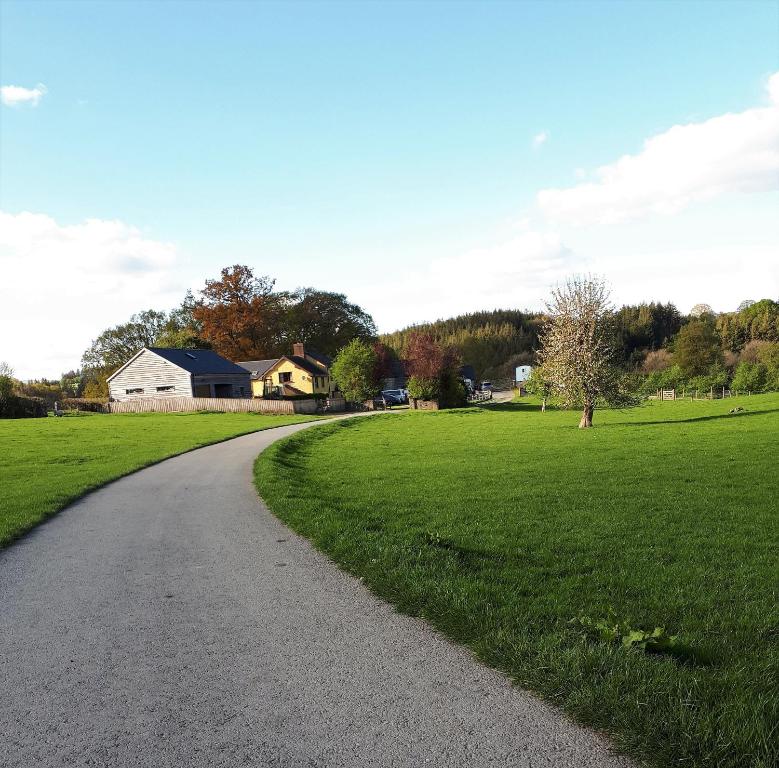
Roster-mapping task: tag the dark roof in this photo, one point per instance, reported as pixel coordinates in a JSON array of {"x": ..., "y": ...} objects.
[
  {"x": 306, "y": 365},
  {"x": 259, "y": 367},
  {"x": 198, "y": 360},
  {"x": 324, "y": 359}
]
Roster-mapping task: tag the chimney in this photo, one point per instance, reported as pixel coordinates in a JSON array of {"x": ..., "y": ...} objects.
[{"x": 298, "y": 349}]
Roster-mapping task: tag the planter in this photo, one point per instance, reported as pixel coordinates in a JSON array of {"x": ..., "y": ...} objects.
[{"x": 422, "y": 405}]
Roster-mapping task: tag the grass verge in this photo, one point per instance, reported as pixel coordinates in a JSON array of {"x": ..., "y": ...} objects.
[
  {"x": 47, "y": 463},
  {"x": 502, "y": 526}
]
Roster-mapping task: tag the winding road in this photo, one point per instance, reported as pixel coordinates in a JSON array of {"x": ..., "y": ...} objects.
[{"x": 169, "y": 619}]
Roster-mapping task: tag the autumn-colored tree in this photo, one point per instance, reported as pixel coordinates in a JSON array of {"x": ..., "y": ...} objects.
[
  {"x": 386, "y": 361},
  {"x": 577, "y": 347},
  {"x": 433, "y": 371},
  {"x": 240, "y": 315},
  {"x": 657, "y": 360}
]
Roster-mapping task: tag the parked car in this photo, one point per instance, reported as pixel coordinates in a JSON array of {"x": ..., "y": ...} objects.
[
  {"x": 486, "y": 386},
  {"x": 395, "y": 396}
]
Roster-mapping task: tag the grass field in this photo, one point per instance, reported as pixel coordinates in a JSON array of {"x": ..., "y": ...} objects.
[
  {"x": 47, "y": 463},
  {"x": 501, "y": 525}
]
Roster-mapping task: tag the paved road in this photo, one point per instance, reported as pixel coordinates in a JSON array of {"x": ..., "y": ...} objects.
[{"x": 170, "y": 620}]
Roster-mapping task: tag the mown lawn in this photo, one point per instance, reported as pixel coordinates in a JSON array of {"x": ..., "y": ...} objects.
[
  {"x": 500, "y": 525},
  {"x": 47, "y": 463}
]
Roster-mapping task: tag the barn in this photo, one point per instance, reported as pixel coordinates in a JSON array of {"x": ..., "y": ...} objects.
[{"x": 161, "y": 372}]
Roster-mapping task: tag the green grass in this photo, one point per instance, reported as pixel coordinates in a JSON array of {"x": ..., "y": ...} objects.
[
  {"x": 500, "y": 525},
  {"x": 47, "y": 463}
]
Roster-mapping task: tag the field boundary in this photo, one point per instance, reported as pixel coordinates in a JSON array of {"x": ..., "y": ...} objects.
[{"x": 223, "y": 404}]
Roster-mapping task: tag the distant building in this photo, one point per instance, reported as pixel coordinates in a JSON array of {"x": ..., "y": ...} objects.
[
  {"x": 304, "y": 372},
  {"x": 468, "y": 375},
  {"x": 522, "y": 373},
  {"x": 159, "y": 372}
]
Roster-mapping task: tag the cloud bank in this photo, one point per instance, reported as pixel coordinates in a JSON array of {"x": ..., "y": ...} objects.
[
  {"x": 63, "y": 284},
  {"x": 515, "y": 272},
  {"x": 734, "y": 152}
]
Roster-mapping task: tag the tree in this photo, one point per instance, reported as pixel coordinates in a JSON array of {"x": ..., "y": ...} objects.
[
  {"x": 577, "y": 346},
  {"x": 539, "y": 385},
  {"x": 241, "y": 316},
  {"x": 657, "y": 360},
  {"x": 182, "y": 330},
  {"x": 7, "y": 381},
  {"x": 699, "y": 310},
  {"x": 115, "y": 346},
  {"x": 697, "y": 348},
  {"x": 354, "y": 371},
  {"x": 433, "y": 370},
  {"x": 749, "y": 377},
  {"x": 71, "y": 383},
  {"x": 325, "y": 321}
]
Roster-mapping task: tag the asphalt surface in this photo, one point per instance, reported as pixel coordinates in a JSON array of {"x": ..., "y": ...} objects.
[{"x": 170, "y": 620}]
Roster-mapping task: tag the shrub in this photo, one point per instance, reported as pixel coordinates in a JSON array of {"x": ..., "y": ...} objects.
[
  {"x": 20, "y": 407},
  {"x": 716, "y": 379},
  {"x": 354, "y": 370},
  {"x": 452, "y": 392},
  {"x": 82, "y": 404},
  {"x": 750, "y": 377},
  {"x": 423, "y": 388}
]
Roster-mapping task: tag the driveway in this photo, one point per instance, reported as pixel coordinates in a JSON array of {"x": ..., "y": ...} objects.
[{"x": 170, "y": 620}]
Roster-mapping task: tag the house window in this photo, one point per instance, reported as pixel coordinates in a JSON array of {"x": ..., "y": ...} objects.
[
  {"x": 166, "y": 389},
  {"x": 285, "y": 377},
  {"x": 137, "y": 391}
]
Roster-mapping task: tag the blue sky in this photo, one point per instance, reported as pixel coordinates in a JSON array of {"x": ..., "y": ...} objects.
[{"x": 386, "y": 150}]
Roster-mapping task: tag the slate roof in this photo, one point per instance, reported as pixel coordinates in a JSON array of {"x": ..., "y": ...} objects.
[
  {"x": 203, "y": 361},
  {"x": 306, "y": 365},
  {"x": 258, "y": 368},
  {"x": 324, "y": 359}
]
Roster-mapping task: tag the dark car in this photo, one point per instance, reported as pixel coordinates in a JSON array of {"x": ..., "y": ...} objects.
[{"x": 394, "y": 397}]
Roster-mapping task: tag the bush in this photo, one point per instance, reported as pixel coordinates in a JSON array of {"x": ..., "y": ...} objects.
[
  {"x": 750, "y": 377},
  {"x": 82, "y": 404},
  {"x": 20, "y": 407},
  {"x": 354, "y": 370},
  {"x": 716, "y": 379},
  {"x": 452, "y": 392},
  {"x": 423, "y": 388}
]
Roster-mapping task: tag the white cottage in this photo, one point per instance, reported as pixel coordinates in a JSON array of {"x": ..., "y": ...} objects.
[{"x": 161, "y": 372}]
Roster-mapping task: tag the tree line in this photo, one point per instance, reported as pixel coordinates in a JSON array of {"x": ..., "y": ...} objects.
[{"x": 242, "y": 316}]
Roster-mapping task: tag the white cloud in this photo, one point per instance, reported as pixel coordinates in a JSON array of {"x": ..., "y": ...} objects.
[
  {"x": 63, "y": 284},
  {"x": 515, "y": 273},
  {"x": 15, "y": 95},
  {"x": 687, "y": 276},
  {"x": 734, "y": 152},
  {"x": 540, "y": 139}
]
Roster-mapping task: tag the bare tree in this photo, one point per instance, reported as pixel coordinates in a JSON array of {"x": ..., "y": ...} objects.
[{"x": 577, "y": 348}]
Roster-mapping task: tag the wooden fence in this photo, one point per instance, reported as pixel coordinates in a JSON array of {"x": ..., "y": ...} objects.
[
  {"x": 713, "y": 393},
  {"x": 225, "y": 404}
]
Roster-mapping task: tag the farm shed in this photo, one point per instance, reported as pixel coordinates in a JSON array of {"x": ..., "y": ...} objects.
[{"x": 159, "y": 372}]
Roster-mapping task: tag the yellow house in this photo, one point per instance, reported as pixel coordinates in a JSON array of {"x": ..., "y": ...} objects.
[{"x": 304, "y": 372}]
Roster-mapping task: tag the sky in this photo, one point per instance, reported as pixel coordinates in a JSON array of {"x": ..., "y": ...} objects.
[{"x": 426, "y": 159}]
